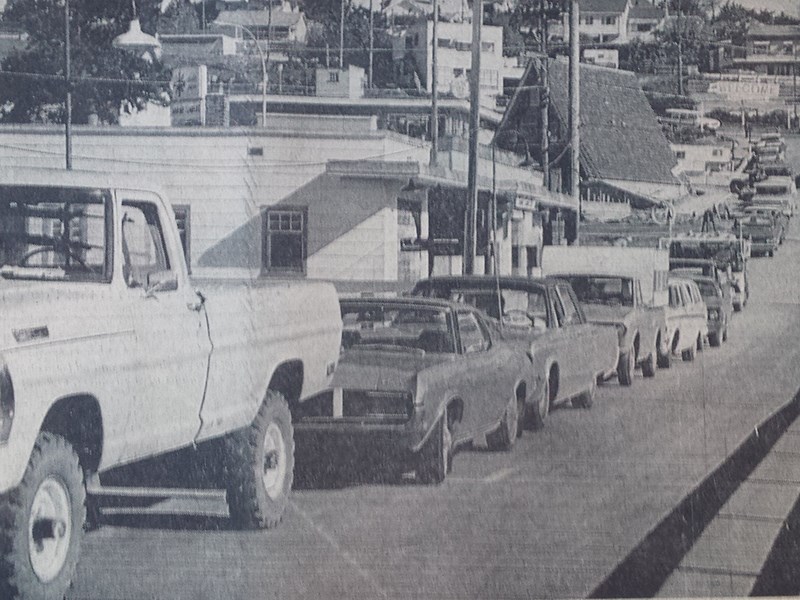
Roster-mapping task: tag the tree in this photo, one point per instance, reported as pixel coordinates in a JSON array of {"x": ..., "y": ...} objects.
[
  {"x": 324, "y": 32},
  {"x": 180, "y": 17},
  {"x": 37, "y": 94}
]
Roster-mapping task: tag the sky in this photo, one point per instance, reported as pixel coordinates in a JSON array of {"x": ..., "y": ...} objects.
[{"x": 790, "y": 7}]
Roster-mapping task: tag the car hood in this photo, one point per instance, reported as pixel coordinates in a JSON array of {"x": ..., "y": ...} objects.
[
  {"x": 385, "y": 370},
  {"x": 713, "y": 302},
  {"x": 606, "y": 315}
]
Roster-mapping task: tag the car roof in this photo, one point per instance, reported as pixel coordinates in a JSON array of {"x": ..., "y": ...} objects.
[
  {"x": 486, "y": 280},
  {"x": 404, "y": 301},
  {"x": 693, "y": 275}
]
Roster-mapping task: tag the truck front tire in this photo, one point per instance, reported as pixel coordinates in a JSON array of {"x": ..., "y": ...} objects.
[
  {"x": 259, "y": 466},
  {"x": 41, "y": 523}
]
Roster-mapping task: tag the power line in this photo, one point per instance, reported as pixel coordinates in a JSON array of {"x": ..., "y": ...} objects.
[{"x": 49, "y": 77}]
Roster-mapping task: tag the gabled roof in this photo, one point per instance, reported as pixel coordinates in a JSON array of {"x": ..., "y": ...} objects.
[
  {"x": 621, "y": 138},
  {"x": 258, "y": 18},
  {"x": 645, "y": 10},
  {"x": 603, "y": 6},
  {"x": 777, "y": 31}
]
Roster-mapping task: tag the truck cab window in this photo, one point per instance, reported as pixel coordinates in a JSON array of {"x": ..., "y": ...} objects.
[{"x": 143, "y": 248}]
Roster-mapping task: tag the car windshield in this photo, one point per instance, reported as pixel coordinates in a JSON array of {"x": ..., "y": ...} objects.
[
  {"x": 53, "y": 234},
  {"x": 611, "y": 291},
  {"x": 518, "y": 307},
  {"x": 708, "y": 289},
  {"x": 397, "y": 327}
]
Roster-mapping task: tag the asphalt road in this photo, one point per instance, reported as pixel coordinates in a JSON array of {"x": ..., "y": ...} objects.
[{"x": 550, "y": 519}]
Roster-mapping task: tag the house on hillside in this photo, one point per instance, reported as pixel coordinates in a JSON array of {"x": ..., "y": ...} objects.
[
  {"x": 601, "y": 21},
  {"x": 625, "y": 159},
  {"x": 283, "y": 24},
  {"x": 770, "y": 49},
  {"x": 643, "y": 20}
]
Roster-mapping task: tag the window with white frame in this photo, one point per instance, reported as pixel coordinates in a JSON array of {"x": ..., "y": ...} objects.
[{"x": 285, "y": 240}]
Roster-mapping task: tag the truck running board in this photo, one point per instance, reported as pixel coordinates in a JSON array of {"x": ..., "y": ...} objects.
[{"x": 106, "y": 496}]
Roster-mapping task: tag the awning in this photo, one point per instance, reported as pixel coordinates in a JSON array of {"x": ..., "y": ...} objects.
[{"x": 522, "y": 195}]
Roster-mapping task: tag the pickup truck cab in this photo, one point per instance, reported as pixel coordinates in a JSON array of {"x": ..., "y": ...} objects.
[
  {"x": 544, "y": 317},
  {"x": 109, "y": 354},
  {"x": 764, "y": 233},
  {"x": 623, "y": 287}
]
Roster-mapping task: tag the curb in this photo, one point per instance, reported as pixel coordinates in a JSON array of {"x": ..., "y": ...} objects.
[{"x": 645, "y": 569}]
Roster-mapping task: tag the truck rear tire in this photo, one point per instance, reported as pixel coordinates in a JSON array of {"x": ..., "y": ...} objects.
[
  {"x": 626, "y": 367},
  {"x": 259, "y": 466},
  {"x": 433, "y": 461},
  {"x": 41, "y": 523},
  {"x": 649, "y": 365}
]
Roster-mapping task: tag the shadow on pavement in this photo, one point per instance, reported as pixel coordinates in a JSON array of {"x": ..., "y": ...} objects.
[
  {"x": 168, "y": 522},
  {"x": 645, "y": 569}
]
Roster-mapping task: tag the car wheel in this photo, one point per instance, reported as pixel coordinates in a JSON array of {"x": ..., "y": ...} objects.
[
  {"x": 586, "y": 399},
  {"x": 433, "y": 461},
  {"x": 259, "y": 466},
  {"x": 714, "y": 339},
  {"x": 649, "y": 365},
  {"x": 699, "y": 342},
  {"x": 665, "y": 360},
  {"x": 725, "y": 334},
  {"x": 504, "y": 436},
  {"x": 540, "y": 411},
  {"x": 688, "y": 355},
  {"x": 521, "y": 408},
  {"x": 626, "y": 368},
  {"x": 737, "y": 307},
  {"x": 41, "y": 528}
]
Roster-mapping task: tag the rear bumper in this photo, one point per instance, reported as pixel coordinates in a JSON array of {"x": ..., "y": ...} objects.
[{"x": 391, "y": 434}]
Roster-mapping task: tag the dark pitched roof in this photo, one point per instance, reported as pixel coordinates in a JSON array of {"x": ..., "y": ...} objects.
[
  {"x": 258, "y": 18},
  {"x": 603, "y": 6},
  {"x": 645, "y": 10},
  {"x": 778, "y": 31},
  {"x": 621, "y": 138}
]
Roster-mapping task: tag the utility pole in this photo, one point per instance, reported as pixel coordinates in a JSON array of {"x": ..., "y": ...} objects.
[
  {"x": 341, "y": 38},
  {"x": 371, "y": 44},
  {"x": 434, "y": 85},
  {"x": 68, "y": 83},
  {"x": 794, "y": 81},
  {"x": 545, "y": 98},
  {"x": 470, "y": 241},
  {"x": 680, "y": 51},
  {"x": 575, "y": 112}
]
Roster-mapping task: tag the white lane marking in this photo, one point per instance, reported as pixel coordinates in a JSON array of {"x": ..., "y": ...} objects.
[
  {"x": 500, "y": 475},
  {"x": 338, "y": 403},
  {"x": 365, "y": 575}
]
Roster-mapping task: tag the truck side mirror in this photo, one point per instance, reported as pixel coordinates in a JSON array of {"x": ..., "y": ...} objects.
[{"x": 161, "y": 281}]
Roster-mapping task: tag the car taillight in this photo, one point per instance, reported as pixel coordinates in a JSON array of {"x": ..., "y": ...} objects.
[{"x": 6, "y": 404}]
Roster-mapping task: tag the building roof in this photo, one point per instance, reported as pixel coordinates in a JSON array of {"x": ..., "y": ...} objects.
[
  {"x": 258, "y": 18},
  {"x": 645, "y": 10},
  {"x": 604, "y": 6},
  {"x": 621, "y": 138},
  {"x": 773, "y": 31}
]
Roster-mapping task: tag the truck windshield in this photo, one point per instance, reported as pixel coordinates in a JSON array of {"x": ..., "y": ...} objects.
[
  {"x": 54, "y": 233},
  {"x": 612, "y": 291}
]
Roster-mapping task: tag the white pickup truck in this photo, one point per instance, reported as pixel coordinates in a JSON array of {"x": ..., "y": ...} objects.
[
  {"x": 623, "y": 287},
  {"x": 109, "y": 355}
]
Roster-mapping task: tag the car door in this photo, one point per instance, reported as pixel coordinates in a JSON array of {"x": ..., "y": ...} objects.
[
  {"x": 573, "y": 366},
  {"x": 172, "y": 341},
  {"x": 484, "y": 370},
  {"x": 674, "y": 314}
]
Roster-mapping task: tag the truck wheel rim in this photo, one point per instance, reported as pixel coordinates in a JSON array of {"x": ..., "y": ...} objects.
[
  {"x": 49, "y": 529},
  {"x": 447, "y": 443},
  {"x": 274, "y": 461}
]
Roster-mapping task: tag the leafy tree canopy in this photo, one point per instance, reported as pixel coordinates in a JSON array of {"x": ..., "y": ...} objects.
[{"x": 34, "y": 96}]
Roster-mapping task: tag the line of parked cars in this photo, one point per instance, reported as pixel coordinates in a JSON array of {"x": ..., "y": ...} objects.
[{"x": 478, "y": 359}]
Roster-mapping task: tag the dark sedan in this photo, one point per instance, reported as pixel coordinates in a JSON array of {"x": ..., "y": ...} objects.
[{"x": 418, "y": 377}]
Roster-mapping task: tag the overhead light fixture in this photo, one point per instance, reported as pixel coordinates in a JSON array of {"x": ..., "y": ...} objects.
[
  {"x": 137, "y": 41},
  {"x": 411, "y": 186}
]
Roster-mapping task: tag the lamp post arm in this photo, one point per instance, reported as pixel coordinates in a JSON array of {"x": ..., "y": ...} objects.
[{"x": 263, "y": 68}]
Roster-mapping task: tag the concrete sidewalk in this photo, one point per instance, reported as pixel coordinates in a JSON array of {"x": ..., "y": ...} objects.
[{"x": 729, "y": 555}]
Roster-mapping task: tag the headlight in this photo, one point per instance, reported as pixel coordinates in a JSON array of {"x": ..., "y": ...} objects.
[
  {"x": 713, "y": 314},
  {"x": 621, "y": 330},
  {"x": 6, "y": 404}
]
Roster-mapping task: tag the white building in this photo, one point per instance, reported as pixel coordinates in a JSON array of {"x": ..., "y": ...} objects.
[
  {"x": 454, "y": 57},
  {"x": 349, "y": 82}
]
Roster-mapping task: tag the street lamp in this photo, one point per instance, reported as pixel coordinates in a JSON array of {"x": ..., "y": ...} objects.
[
  {"x": 264, "y": 77},
  {"x": 135, "y": 39}
]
